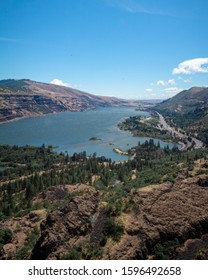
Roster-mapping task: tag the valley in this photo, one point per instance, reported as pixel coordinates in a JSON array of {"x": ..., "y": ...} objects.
[{"x": 152, "y": 205}]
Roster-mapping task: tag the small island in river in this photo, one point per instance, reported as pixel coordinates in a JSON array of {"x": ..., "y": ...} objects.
[{"x": 95, "y": 139}]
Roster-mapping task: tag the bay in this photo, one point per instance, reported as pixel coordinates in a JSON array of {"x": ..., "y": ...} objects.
[{"x": 71, "y": 131}]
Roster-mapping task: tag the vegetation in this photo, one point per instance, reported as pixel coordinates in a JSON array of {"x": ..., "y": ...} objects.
[
  {"x": 17, "y": 161},
  {"x": 26, "y": 171},
  {"x": 113, "y": 229},
  {"x": 25, "y": 251},
  {"x": 5, "y": 236},
  {"x": 85, "y": 251},
  {"x": 188, "y": 110},
  {"x": 95, "y": 139},
  {"x": 145, "y": 127},
  {"x": 166, "y": 250},
  {"x": 13, "y": 85},
  {"x": 82, "y": 251}
]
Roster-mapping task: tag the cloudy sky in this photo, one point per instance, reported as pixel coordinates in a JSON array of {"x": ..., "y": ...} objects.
[{"x": 141, "y": 49}]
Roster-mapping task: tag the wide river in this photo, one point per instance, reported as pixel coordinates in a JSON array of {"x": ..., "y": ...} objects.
[{"x": 71, "y": 132}]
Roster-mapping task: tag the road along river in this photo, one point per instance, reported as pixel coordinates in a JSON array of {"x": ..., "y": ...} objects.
[{"x": 179, "y": 133}]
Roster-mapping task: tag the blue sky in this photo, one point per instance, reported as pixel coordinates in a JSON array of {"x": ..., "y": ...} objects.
[{"x": 141, "y": 49}]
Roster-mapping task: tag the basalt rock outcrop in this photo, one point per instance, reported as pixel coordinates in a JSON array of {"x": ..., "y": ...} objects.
[
  {"x": 63, "y": 228},
  {"x": 76, "y": 228},
  {"x": 163, "y": 213},
  {"x": 159, "y": 213}
]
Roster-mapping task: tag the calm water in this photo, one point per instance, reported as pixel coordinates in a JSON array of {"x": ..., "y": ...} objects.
[{"x": 71, "y": 132}]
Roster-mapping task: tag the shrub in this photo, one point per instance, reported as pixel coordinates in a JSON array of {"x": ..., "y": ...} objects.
[
  {"x": 166, "y": 250},
  {"x": 72, "y": 254},
  {"x": 113, "y": 229},
  {"x": 5, "y": 236}
]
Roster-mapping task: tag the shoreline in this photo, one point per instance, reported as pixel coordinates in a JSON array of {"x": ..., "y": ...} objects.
[
  {"x": 120, "y": 152},
  {"x": 15, "y": 119},
  {"x": 29, "y": 117}
]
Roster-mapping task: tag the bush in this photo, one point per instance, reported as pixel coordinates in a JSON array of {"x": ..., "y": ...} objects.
[
  {"x": 72, "y": 254},
  {"x": 5, "y": 236},
  {"x": 113, "y": 230},
  {"x": 166, "y": 250}
]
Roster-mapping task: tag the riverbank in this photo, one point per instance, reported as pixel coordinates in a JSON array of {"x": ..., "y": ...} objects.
[
  {"x": 28, "y": 116},
  {"x": 120, "y": 152},
  {"x": 141, "y": 126}
]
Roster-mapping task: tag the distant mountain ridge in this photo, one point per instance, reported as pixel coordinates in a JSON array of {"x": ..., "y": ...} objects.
[
  {"x": 188, "y": 110},
  {"x": 186, "y": 101},
  {"x": 26, "y": 98}
]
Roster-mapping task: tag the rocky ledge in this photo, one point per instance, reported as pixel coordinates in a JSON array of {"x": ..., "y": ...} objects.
[
  {"x": 169, "y": 217},
  {"x": 164, "y": 213}
]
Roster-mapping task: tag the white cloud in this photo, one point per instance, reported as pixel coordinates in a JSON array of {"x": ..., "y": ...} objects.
[
  {"x": 197, "y": 65},
  {"x": 171, "y": 82},
  {"x": 148, "y": 89},
  {"x": 160, "y": 83},
  {"x": 173, "y": 90},
  {"x": 59, "y": 83}
]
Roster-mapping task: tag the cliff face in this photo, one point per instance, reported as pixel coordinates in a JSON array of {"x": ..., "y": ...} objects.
[
  {"x": 160, "y": 213},
  {"x": 80, "y": 228},
  {"x": 163, "y": 213},
  {"x": 25, "y": 98},
  {"x": 67, "y": 227}
]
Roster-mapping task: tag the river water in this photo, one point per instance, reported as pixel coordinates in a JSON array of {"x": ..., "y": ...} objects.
[{"x": 71, "y": 131}]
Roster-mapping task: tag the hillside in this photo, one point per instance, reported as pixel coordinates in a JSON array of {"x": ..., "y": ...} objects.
[
  {"x": 188, "y": 110},
  {"x": 146, "y": 208},
  {"x": 188, "y": 101},
  {"x": 26, "y": 98}
]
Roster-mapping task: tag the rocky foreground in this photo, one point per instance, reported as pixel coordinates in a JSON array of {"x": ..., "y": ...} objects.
[{"x": 157, "y": 216}]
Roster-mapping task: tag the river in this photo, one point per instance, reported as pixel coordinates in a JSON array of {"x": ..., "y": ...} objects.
[{"x": 71, "y": 131}]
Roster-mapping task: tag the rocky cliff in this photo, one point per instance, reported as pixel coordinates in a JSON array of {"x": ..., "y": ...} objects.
[{"x": 168, "y": 220}]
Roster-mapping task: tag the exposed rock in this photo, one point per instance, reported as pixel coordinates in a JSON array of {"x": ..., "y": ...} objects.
[
  {"x": 54, "y": 193},
  {"x": 161, "y": 213},
  {"x": 194, "y": 249},
  {"x": 129, "y": 248},
  {"x": 158, "y": 213},
  {"x": 203, "y": 181},
  {"x": 21, "y": 228},
  {"x": 63, "y": 228},
  {"x": 8, "y": 251}
]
